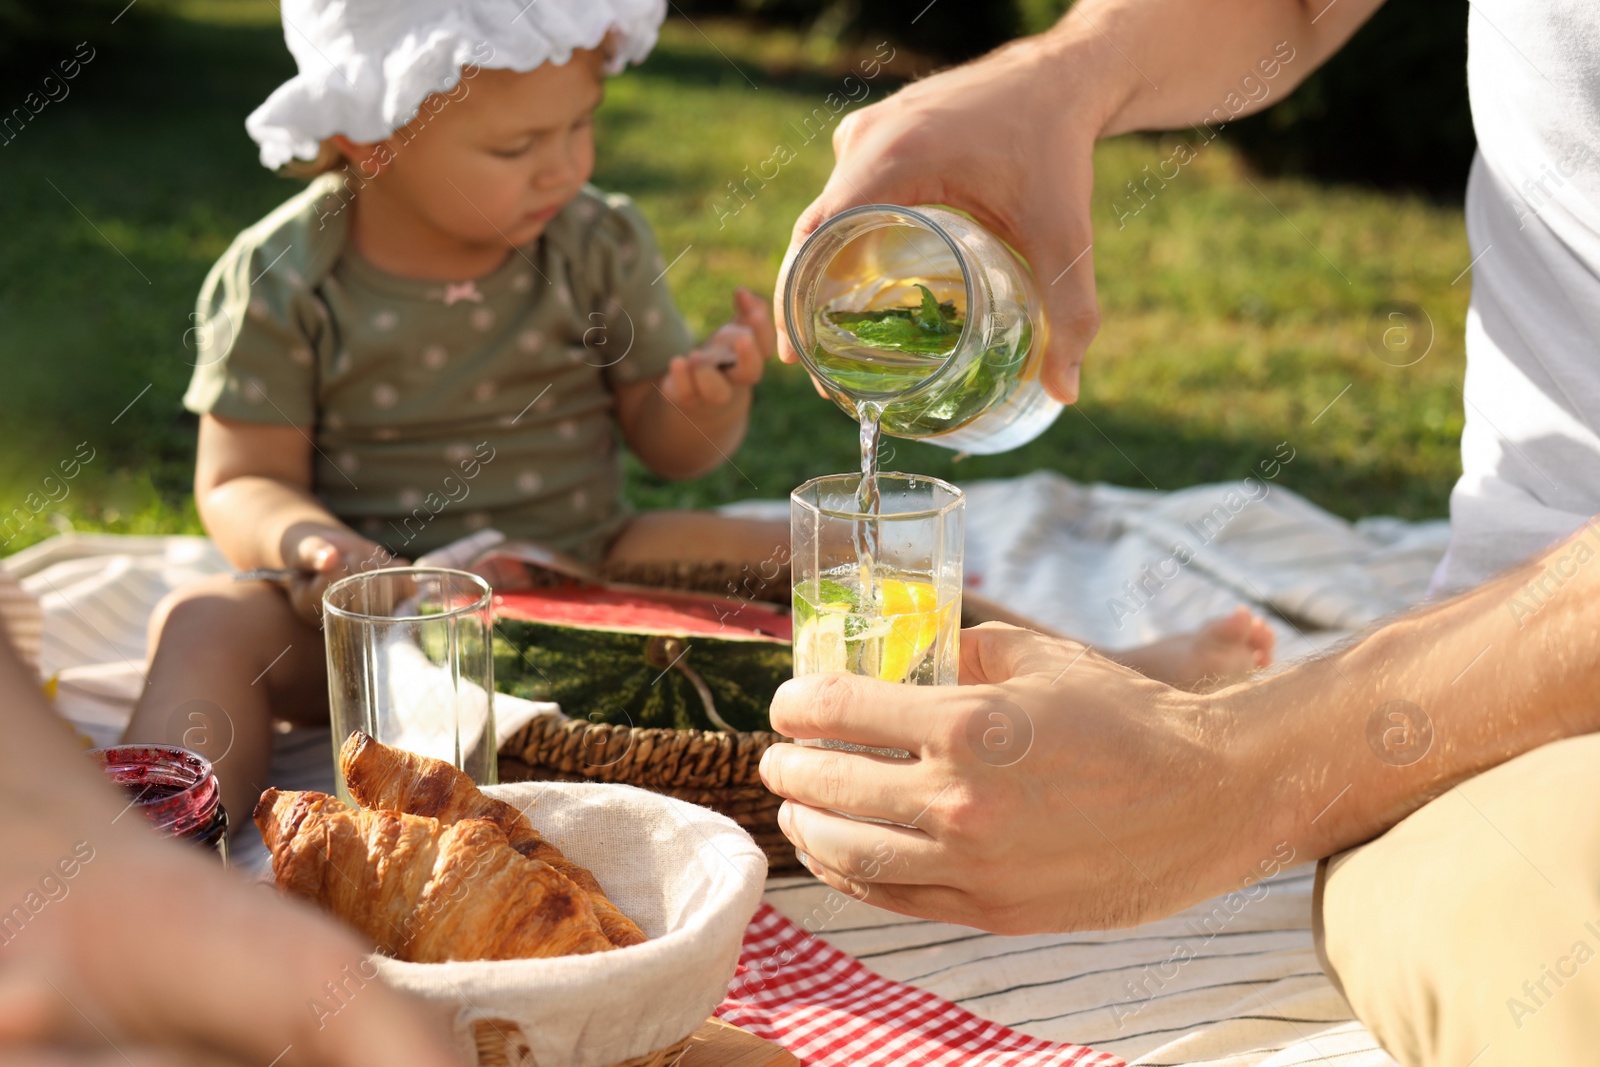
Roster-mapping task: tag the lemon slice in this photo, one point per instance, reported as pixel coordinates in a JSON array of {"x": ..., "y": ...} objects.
[
  {"x": 912, "y": 609},
  {"x": 819, "y": 646}
]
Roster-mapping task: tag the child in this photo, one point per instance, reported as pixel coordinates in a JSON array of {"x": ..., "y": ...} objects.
[{"x": 445, "y": 332}]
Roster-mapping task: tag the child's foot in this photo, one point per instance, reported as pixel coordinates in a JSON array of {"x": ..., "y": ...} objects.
[{"x": 1221, "y": 652}]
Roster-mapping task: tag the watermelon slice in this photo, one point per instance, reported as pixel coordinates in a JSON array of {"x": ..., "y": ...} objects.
[{"x": 646, "y": 658}]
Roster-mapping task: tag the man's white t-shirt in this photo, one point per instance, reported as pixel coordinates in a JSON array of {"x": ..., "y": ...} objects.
[{"x": 1530, "y": 451}]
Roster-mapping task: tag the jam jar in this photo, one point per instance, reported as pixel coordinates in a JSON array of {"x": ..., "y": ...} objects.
[{"x": 173, "y": 788}]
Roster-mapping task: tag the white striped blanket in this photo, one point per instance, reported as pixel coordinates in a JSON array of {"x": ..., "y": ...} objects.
[{"x": 1208, "y": 986}]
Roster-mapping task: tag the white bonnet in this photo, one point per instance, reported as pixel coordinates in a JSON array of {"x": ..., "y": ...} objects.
[{"x": 367, "y": 65}]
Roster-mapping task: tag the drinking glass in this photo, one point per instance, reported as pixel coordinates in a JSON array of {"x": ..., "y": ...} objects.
[
  {"x": 878, "y": 593},
  {"x": 410, "y": 662}
]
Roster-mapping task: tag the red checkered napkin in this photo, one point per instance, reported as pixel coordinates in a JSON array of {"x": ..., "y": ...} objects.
[{"x": 827, "y": 1008}]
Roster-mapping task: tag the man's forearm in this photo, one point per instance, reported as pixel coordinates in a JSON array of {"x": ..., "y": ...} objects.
[
  {"x": 42, "y": 766},
  {"x": 1164, "y": 64},
  {"x": 1364, "y": 737}
]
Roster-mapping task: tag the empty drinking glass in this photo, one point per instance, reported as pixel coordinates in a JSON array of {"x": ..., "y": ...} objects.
[{"x": 410, "y": 662}]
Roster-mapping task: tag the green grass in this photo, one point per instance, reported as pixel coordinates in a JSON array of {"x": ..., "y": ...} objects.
[{"x": 1235, "y": 313}]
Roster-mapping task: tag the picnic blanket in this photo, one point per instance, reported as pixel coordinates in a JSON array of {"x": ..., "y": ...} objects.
[
  {"x": 831, "y": 1011},
  {"x": 1110, "y": 565}
]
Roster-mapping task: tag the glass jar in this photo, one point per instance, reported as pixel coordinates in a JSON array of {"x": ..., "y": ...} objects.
[
  {"x": 173, "y": 788},
  {"x": 927, "y": 316}
]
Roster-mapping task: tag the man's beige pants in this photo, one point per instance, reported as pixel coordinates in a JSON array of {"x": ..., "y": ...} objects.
[{"x": 1469, "y": 934}]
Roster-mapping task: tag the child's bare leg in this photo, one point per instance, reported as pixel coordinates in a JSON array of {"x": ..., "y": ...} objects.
[
  {"x": 700, "y": 536},
  {"x": 1221, "y": 652},
  {"x": 225, "y": 654}
]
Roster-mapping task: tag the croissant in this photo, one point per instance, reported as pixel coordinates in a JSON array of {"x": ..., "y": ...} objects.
[
  {"x": 422, "y": 890},
  {"x": 382, "y": 777}
]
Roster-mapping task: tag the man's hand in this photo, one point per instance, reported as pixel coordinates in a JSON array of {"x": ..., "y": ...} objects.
[
  {"x": 1009, "y": 138},
  {"x": 992, "y": 139},
  {"x": 120, "y": 947},
  {"x": 1052, "y": 790},
  {"x": 95, "y": 977},
  {"x": 722, "y": 371},
  {"x": 1055, "y": 790}
]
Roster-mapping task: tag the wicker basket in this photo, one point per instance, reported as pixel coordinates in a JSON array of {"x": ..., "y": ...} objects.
[
  {"x": 717, "y": 770},
  {"x": 690, "y": 879},
  {"x": 501, "y": 1044}
]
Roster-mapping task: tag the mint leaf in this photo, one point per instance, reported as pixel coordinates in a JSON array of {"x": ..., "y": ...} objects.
[
  {"x": 803, "y": 611},
  {"x": 930, "y": 316},
  {"x": 811, "y": 597},
  {"x": 832, "y": 592},
  {"x": 925, "y": 329}
]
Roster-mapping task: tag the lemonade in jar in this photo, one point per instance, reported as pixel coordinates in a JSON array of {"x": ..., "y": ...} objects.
[{"x": 923, "y": 321}]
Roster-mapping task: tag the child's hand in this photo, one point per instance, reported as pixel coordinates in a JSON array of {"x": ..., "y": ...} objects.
[
  {"x": 323, "y": 558},
  {"x": 724, "y": 368}
]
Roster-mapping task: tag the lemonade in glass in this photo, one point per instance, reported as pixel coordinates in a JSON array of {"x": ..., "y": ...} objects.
[
  {"x": 877, "y": 589},
  {"x": 892, "y": 627}
]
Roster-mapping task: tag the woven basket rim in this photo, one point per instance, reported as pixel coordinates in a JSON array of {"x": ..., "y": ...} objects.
[
  {"x": 548, "y": 719},
  {"x": 494, "y": 1038},
  {"x": 649, "y": 755}
]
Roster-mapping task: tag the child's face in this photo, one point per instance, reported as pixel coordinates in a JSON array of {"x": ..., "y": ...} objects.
[{"x": 496, "y": 162}]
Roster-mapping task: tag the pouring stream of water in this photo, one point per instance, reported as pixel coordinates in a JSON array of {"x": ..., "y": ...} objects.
[{"x": 867, "y": 502}]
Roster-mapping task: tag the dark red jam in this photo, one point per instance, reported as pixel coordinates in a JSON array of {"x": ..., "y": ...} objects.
[{"x": 173, "y": 788}]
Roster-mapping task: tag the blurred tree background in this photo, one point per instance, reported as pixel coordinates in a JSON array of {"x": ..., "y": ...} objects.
[
  {"x": 1390, "y": 110},
  {"x": 34, "y": 32}
]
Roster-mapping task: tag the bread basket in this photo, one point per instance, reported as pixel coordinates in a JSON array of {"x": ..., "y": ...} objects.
[{"x": 688, "y": 876}]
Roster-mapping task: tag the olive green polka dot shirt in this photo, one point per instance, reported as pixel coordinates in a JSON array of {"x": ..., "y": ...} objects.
[{"x": 440, "y": 408}]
